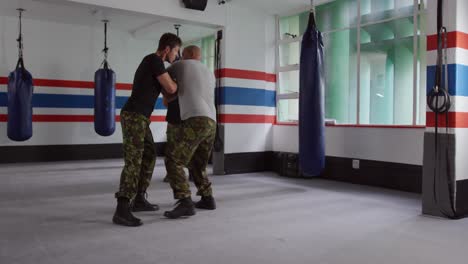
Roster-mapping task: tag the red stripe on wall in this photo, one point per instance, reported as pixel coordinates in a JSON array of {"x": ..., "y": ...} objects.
[
  {"x": 123, "y": 86},
  {"x": 455, "y": 39},
  {"x": 360, "y": 126},
  {"x": 69, "y": 84},
  {"x": 455, "y": 120},
  {"x": 245, "y": 74},
  {"x": 158, "y": 118},
  {"x": 154, "y": 118},
  {"x": 378, "y": 126},
  {"x": 63, "y": 118},
  {"x": 223, "y": 73},
  {"x": 74, "y": 118},
  {"x": 270, "y": 77},
  {"x": 63, "y": 83},
  {"x": 224, "y": 118},
  {"x": 247, "y": 119}
]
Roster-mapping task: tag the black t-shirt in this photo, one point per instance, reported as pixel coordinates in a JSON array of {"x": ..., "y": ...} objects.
[
  {"x": 146, "y": 88},
  {"x": 173, "y": 112}
]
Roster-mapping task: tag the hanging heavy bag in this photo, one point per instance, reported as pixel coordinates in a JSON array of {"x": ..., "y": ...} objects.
[
  {"x": 311, "y": 103},
  {"x": 104, "y": 102},
  {"x": 20, "y": 92},
  {"x": 104, "y": 96}
]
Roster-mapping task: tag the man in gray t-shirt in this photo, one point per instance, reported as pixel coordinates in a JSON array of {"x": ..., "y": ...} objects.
[
  {"x": 189, "y": 143},
  {"x": 197, "y": 86}
]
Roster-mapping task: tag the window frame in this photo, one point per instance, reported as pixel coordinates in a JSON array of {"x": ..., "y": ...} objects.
[
  {"x": 288, "y": 68},
  {"x": 418, "y": 109}
]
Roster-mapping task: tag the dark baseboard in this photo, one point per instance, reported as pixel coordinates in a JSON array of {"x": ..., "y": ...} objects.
[
  {"x": 396, "y": 176},
  {"x": 403, "y": 177},
  {"x": 462, "y": 197},
  {"x": 16, "y": 154},
  {"x": 374, "y": 173},
  {"x": 248, "y": 162}
]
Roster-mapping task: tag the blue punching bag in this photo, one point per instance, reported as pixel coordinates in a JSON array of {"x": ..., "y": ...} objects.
[
  {"x": 311, "y": 103},
  {"x": 104, "y": 97},
  {"x": 104, "y": 102},
  {"x": 20, "y": 92}
]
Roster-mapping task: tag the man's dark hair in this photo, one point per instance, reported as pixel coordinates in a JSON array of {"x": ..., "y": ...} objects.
[{"x": 169, "y": 39}]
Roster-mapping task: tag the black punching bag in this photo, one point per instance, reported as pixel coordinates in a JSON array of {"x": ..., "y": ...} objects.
[
  {"x": 104, "y": 96},
  {"x": 312, "y": 102},
  {"x": 20, "y": 92}
]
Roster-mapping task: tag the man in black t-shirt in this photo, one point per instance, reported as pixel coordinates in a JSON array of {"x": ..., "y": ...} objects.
[{"x": 150, "y": 80}]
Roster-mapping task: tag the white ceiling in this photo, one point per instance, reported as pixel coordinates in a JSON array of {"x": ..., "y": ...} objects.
[
  {"x": 275, "y": 6},
  {"x": 142, "y": 26}
]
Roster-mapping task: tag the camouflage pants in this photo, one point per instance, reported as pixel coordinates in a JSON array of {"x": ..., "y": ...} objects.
[
  {"x": 189, "y": 144},
  {"x": 139, "y": 155}
]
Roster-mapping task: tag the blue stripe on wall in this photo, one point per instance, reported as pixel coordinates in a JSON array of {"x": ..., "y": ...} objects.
[
  {"x": 457, "y": 77},
  {"x": 71, "y": 101},
  {"x": 3, "y": 99},
  {"x": 247, "y": 96},
  {"x": 229, "y": 96}
]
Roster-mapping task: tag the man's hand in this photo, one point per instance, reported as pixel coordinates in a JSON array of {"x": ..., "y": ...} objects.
[
  {"x": 170, "y": 98},
  {"x": 167, "y": 98}
]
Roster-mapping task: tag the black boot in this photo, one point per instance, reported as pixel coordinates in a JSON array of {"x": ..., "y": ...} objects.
[
  {"x": 206, "y": 202},
  {"x": 123, "y": 216},
  {"x": 140, "y": 204},
  {"x": 184, "y": 207}
]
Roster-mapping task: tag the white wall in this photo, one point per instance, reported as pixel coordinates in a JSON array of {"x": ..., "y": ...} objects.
[
  {"x": 72, "y": 52},
  {"x": 69, "y": 52},
  {"x": 455, "y": 19},
  {"x": 380, "y": 144},
  {"x": 249, "y": 45},
  {"x": 461, "y": 170}
]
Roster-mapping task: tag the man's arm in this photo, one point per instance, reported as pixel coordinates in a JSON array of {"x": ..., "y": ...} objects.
[
  {"x": 159, "y": 71},
  {"x": 171, "y": 75},
  {"x": 167, "y": 83}
]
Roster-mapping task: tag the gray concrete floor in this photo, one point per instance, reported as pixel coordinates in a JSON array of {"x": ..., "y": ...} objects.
[{"x": 61, "y": 213}]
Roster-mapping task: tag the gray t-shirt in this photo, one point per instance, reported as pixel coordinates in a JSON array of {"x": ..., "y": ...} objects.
[{"x": 196, "y": 88}]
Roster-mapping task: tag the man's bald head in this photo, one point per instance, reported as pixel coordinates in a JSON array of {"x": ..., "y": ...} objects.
[{"x": 192, "y": 53}]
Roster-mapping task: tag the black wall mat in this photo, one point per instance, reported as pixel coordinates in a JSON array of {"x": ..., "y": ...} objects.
[
  {"x": 403, "y": 177},
  {"x": 15, "y": 154},
  {"x": 248, "y": 162},
  {"x": 375, "y": 173},
  {"x": 462, "y": 197}
]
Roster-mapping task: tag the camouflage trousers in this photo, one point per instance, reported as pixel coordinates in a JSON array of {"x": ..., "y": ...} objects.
[
  {"x": 139, "y": 155},
  {"x": 189, "y": 144}
]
